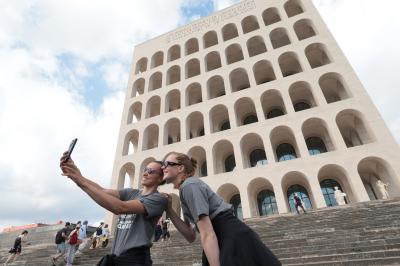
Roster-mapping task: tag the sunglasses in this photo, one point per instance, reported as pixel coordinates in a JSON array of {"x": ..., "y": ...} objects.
[
  {"x": 168, "y": 163},
  {"x": 150, "y": 171}
]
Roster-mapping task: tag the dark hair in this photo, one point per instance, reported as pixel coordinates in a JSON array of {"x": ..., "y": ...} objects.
[
  {"x": 67, "y": 224},
  {"x": 24, "y": 232},
  {"x": 162, "y": 172},
  {"x": 189, "y": 164}
]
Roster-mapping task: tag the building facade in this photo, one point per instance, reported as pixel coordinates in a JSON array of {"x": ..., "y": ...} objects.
[{"x": 261, "y": 95}]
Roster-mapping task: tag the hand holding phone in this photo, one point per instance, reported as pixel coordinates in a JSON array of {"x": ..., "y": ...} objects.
[{"x": 70, "y": 149}]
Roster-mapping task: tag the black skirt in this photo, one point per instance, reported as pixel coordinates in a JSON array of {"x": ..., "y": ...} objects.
[
  {"x": 238, "y": 244},
  {"x": 139, "y": 256}
]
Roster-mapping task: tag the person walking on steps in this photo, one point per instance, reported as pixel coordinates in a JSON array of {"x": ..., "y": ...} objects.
[
  {"x": 61, "y": 237},
  {"x": 16, "y": 250},
  {"x": 298, "y": 203}
]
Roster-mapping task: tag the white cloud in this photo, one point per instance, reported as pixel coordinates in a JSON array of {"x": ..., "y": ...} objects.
[
  {"x": 367, "y": 33},
  {"x": 116, "y": 75},
  {"x": 46, "y": 49},
  {"x": 221, "y": 4}
]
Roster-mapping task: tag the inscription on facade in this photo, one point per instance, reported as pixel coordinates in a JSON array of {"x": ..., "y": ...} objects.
[{"x": 212, "y": 20}]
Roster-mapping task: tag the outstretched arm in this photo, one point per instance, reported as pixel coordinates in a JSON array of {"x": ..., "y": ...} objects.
[
  {"x": 185, "y": 229},
  {"x": 112, "y": 192},
  {"x": 103, "y": 197}
]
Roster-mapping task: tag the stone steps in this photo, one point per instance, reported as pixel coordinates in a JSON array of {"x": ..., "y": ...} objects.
[{"x": 359, "y": 234}]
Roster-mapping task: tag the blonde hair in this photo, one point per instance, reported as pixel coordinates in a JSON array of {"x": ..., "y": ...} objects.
[{"x": 189, "y": 164}]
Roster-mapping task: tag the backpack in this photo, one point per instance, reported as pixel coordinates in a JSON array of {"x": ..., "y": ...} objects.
[
  {"x": 73, "y": 239},
  {"x": 99, "y": 231},
  {"x": 59, "y": 237}
]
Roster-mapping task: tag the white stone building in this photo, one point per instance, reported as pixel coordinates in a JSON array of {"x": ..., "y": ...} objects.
[{"x": 265, "y": 100}]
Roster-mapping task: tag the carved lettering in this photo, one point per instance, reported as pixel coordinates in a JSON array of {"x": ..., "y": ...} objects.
[{"x": 213, "y": 20}]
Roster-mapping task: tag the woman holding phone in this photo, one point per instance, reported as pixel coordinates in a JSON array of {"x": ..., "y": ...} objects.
[
  {"x": 226, "y": 240},
  {"x": 138, "y": 211}
]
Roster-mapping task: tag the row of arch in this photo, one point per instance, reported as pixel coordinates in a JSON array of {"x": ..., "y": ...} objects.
[
  {"x": 289, "y": 63},
  {"x": 278, "y": 37},
  {"x": 261, "y": 191},
  {"x": 301, "y": 95},
  {"x": 283, "y": 144}
]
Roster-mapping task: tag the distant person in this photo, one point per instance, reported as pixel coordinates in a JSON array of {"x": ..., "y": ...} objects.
[
  {"x": 298, "y": 203},
  {"x": 105, "y": 235},
  {"x": 83, "y": 238},
  {"x": 138, "y": 210},
  {"x": 73, "y": 242},
  {"x": 96, "y": 236},
  {"x": 16, "y": 250},
  {"x": 165, "y": 231},
  {"x": 61, "y": 237},
  {"x": 158, "y": 230},
  {"x": 225, "y": 239}
]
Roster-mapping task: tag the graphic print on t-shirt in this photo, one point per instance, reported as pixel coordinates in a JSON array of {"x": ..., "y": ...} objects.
[{"x": 125, "y": 221}]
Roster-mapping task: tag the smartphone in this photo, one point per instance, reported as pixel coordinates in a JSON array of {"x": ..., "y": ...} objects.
[{"x": 70, "y": 149}]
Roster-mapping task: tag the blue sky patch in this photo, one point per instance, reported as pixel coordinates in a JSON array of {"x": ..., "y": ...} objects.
[
  {"x": 91, "y": 86},
  {"x": 196, "y": 9}
]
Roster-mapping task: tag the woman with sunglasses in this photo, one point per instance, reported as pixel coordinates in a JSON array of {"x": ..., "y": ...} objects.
[
  {"x": 226, "y": 240},
  {"x": 138, "y": 212}
]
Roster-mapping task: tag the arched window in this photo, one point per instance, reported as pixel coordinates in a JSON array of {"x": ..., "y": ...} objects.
[
  {"x": 155, "y": 81},
  {"x": 249, "y": 24},
  {"x": 237, "y": 206},
  {"x": 266, "y": 203},
  {"x": 191, "y": 46},
  {"x": 304, "y": 29},
  {"x": 229, "y": 31},
  {"x": 279, "y": 37},
  {"x": 285, "y": 152},
  {"x": 271, "y": 16},
  {"x": 210, "y": 39},
  {"x": 230, "y": 163},
  {"x": 333, "y": 87},
  {"x": 293, "y": 8},
  {"x": 301, "y": 193},
  {"x": 193, "y": 94},
  {"x": 258, "y": 157},
  {"x": 213, "y": 61},
  {"x": 289, "y": 64},
  {"x": 300, "y": 106},
  {"x": 203, "y": 169},
  {"x": 250, "y": 119},
  {"x": 328, "y": 190},
  {"x": 370, "y": 190},
  {"x": 157, "y": 59},
  {"x": 141, "y": 65},
  {"x": 173, "y": 75},
  {"x": 239, "y": 80},
  {"x": 174, "y": 53},
  {"x": 316, "y": 145},
  {"x": 225, "y": 126},
  {"x": 215, "y": 87},
  {"x": 138, "y": 87},
  {"x": 317, "y": 55},
  {"x": 256, "y": 45},
  {"x": 274, "y": 113},
  {"x": 192, "y": 68},
  {"x": 233, "y": 53},
  {"x": 263, "y": 72}
]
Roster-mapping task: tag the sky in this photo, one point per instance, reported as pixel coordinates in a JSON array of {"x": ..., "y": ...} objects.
[{"x": 64, "y": 69}]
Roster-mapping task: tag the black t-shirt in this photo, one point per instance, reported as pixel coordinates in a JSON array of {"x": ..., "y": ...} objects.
[
  {"x": 17, "y": 243},
  {"x": 66, "y": 232}
]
